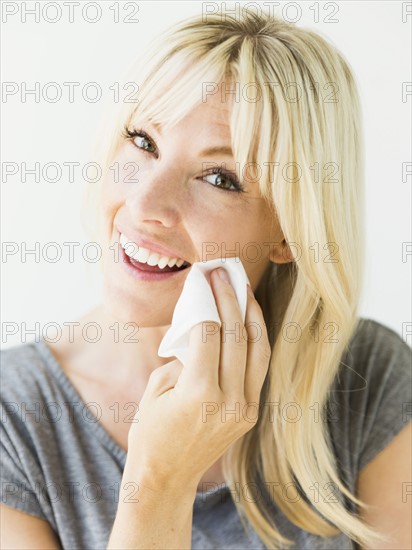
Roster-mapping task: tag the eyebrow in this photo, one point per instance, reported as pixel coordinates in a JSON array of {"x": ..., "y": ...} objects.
[{"x": 223, "y": 150}]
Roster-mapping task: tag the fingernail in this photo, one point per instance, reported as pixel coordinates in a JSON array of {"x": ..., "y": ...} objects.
[
  {"x": 249, "y": 290},
  {"x": 223, "y": 275}
]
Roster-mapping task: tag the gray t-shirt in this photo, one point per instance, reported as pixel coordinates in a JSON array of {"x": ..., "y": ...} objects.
[{"x": 60, "y": 464}]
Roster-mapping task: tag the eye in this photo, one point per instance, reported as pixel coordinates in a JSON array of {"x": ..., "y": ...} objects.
[
  {"x": 217, "y": 177},
  {"x": 223, "y": 180},
  {"x": 144, "y": 142},
  {"x": 140, "y": 139}
]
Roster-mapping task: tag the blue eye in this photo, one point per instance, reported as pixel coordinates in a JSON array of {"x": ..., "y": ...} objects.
[
  {"x": 223, "y": 180},
  {"x": 140, "y": 139},
  {"x": 144, "y": 143}
]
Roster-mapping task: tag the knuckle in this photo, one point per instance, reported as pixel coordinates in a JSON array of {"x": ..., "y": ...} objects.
[
  {"x": 207, "y": 329},
  {"x": 210, "y": 326}
]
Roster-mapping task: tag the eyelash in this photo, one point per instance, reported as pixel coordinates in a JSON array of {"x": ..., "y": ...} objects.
[{"x": 233, "y": 180}]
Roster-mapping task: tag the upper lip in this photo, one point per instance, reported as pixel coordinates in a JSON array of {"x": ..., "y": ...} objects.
[{"x": 152, "y": 246}]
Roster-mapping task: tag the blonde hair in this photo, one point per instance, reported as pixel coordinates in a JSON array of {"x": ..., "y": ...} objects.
[{"x": 317, "y": 127}]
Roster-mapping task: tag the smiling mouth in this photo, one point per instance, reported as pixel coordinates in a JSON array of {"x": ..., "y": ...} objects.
[
  {"x": 155, "y": 268},
  {"x": 148, "y": 261}
]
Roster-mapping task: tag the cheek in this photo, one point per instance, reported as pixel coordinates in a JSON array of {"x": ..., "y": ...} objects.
[
  {"x": 114, "y": 186},
  {"x": 112, "y": 196},
  {"x": 229, "y": 231}
]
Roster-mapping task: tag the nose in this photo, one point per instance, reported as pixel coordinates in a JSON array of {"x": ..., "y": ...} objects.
[{"x": 157, "y": 198}]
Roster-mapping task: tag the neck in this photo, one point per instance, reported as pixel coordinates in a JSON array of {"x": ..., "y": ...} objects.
[{"x": 122, "y": 351}]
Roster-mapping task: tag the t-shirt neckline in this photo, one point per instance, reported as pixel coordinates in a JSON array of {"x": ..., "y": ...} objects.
[
  {"x": 202, "y": 499},
  {"x": 98, "y": 429}
]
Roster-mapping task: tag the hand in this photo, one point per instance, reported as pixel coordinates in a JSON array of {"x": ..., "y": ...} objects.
[{"x": 181, "y": 427}]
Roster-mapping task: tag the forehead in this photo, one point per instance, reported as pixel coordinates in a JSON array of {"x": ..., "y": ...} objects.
[
  {"x": 206, "y": 119},
  {"x": 196, "y": 97},
  {"x": 211, "y": 114}
]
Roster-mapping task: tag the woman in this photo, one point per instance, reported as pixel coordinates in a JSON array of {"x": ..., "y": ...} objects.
[{"x": 245, "y": 135}]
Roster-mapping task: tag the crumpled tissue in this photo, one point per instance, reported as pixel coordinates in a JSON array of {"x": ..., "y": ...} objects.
[{"x": 196, "y": 304}]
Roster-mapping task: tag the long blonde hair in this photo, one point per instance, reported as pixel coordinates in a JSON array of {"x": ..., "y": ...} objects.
[{"x": 298, "y": 119}]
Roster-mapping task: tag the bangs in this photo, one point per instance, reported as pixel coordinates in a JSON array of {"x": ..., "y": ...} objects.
[
  {"x": 254, "y": 121},
  {"x": 178, "y": 77},
  {"x": 179, "y": 83}
]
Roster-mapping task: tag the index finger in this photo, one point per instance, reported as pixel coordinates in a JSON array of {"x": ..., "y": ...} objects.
[{"x": 203, "y": 356}]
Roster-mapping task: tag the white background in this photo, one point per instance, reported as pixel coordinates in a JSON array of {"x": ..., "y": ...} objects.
[{"x": 371, "y": 35}]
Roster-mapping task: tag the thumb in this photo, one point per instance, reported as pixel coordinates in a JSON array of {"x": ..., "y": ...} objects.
[{"x": 165, "y": 377}]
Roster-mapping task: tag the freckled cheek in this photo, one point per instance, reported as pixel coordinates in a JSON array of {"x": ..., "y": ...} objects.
[
  {"x": 223, "y": 233},
  {"x": 201, "y": 221}
]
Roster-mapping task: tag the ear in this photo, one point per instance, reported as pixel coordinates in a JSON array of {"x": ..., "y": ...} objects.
[{"x": 281, "y": 253}]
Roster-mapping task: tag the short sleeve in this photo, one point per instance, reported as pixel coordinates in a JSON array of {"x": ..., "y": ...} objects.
[
  {"x": 22, "y": 472},
  {"x": 371, "y": 399},
  {"x": 388, "y": 408},
  {"x": 17, "y": 490}
]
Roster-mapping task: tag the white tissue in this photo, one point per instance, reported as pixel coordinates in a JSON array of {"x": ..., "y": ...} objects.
[{"x": 196, "y": 304}]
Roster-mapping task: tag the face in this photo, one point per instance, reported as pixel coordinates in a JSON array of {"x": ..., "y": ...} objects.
[{"x": 163, "y": 192}]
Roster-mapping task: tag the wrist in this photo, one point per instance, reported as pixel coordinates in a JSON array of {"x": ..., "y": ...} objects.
[
  {"x": 148, "y": 481},
  {"x": 151, "y": 513}
]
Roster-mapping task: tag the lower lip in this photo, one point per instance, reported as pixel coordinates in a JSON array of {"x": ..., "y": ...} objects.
[{"x": 146, "y": 275}]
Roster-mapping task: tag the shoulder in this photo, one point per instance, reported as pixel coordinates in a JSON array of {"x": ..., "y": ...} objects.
[
  {"x": 17, "y": 354},
  {"x": 23, "y": 371},
  {"x": 374, "y": 337},
  {"x": 32, "y": 389},
  {"x": 370, "y": 399},
  {"x": 25, "y": 387},
  {"x": 374, "y": 353}
]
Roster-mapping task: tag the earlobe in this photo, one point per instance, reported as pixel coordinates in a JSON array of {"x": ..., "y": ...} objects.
[{"x": 281, "y": 253}]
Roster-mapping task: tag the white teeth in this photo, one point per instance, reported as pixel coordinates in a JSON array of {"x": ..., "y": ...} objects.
[
  {"x": 143, "y": 255},
  {"x": 153, "y": 259},
  {"x": 131, "y": 249},
  {"x": 163, "y": 262}
]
